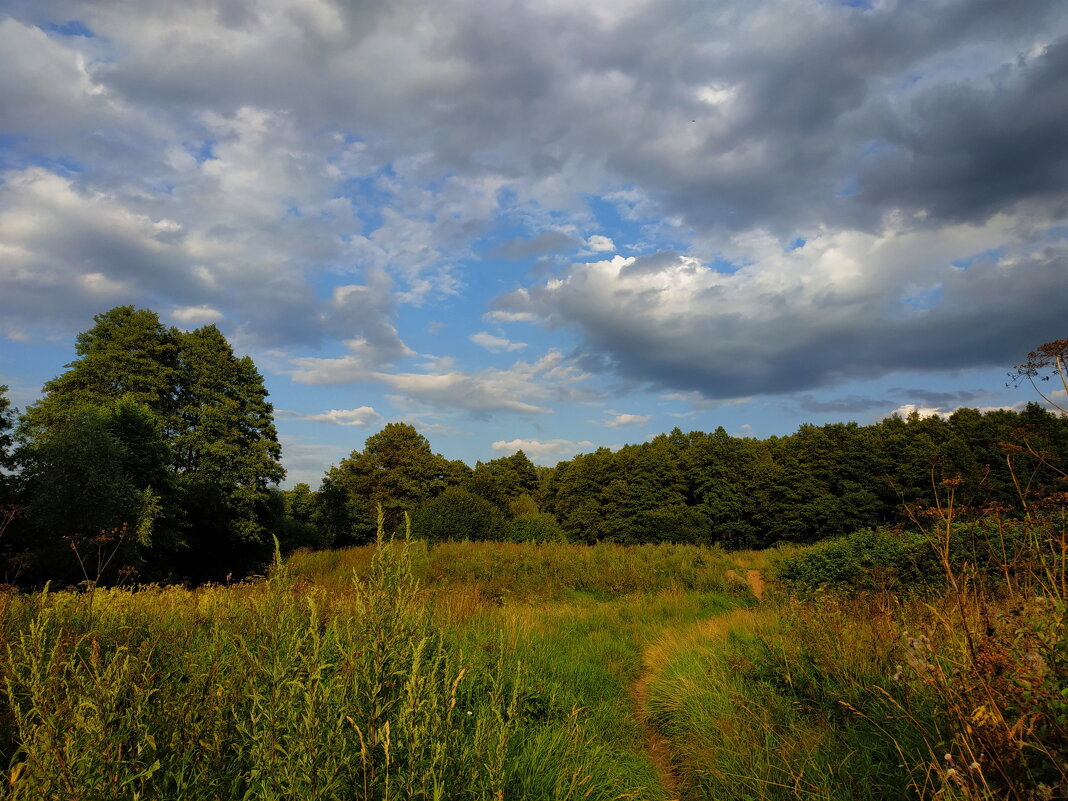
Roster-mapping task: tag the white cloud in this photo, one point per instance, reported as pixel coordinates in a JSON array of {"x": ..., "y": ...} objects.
[
  {"x": 600, "y": 244},
  {"x": 362, "y": 417},
  {"x": 496, "y": 344},
  {"x": 482, "y": 392},
  {"x": 543, "y": 451},
  {"x": 619, "y": 420},
  {"x": 197, "y": 315}
]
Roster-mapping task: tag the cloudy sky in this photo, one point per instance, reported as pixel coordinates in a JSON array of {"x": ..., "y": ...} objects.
[{"x": 541, "y": 223}]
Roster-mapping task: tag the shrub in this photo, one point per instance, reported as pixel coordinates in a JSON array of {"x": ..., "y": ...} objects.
[
  {"x": 456, "y": 514},
  {"x": 538, "y": 527}
]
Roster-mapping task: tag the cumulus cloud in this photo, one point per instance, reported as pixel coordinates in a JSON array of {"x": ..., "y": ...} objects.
[
  {"x": 307, "y": 170},
  {"x": 843, "y": 306},
  {"x": 543, "y": 450},
  {"x": 600, "y": 244}
]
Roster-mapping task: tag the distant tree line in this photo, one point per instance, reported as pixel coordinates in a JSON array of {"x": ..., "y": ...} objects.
[
  {"x": 697, "y": 487},
  {"x": 154, "y": 457}
]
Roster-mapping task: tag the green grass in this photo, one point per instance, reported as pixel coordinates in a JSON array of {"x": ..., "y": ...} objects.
[
  {"x": 465, "y": 671},
  {"x": 495, "y": 670}
]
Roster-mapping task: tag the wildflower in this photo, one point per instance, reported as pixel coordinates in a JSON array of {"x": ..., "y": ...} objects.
[
  {"x": 948, "y": 757},
  {"x": 974, "y": 766}
]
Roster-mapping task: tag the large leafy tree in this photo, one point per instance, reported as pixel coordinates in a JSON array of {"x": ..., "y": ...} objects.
[
  {"x": 396, "y": 470},
  {"x": 100, "y": 494},
  {"x": 128, "y": 352},
  {"x": 220, "y": 449},
  {"x": 226, "y": 454}
]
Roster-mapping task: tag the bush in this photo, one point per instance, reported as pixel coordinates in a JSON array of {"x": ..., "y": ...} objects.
[
  {"x": 539, "y": 527},
  {"x": 456, "y": 514},
  {"x": 908, "y": 562}
]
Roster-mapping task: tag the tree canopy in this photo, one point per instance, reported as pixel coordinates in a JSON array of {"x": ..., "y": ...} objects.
[{"x": 164, "y": 431}]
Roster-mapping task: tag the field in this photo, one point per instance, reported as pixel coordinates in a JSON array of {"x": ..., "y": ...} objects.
[{"x": 492, "y": 670}]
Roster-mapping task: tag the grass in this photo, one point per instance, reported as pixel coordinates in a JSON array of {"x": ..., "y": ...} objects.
[
  {"x": 407, "y": 681},
  {"x": 496, "y": 670}
]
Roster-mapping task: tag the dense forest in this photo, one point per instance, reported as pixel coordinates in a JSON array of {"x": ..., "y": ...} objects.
[
  {"x": 697, "y": 488},
  {"x": 155, "y": 457}
]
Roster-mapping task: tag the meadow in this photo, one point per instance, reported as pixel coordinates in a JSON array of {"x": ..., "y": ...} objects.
[{"x": 555, "y": 671}]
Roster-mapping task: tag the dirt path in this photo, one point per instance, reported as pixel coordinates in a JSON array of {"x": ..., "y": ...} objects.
[
  {"x": 655, "y": 744},
  {"x": 754, "y": 579}
]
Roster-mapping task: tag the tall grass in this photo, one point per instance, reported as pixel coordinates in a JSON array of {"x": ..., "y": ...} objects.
[
  {"x": 411, "y": 678},
  {"x": 253, "y": 693},
  {"x": 528, "y": 571},
  {"x": 959, "y": 694}
]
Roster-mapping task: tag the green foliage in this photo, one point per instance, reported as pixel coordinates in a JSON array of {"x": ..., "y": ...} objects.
[
  {"x": 534, "y": 527},
  {"x": 503, "y": 481},
  {"x": 100, "y": 469},
  {"x": 181, "y": 422},
  {"x": 818, "y": 483},
  {"x": 396, "y": 471},
  {"x": 257, "y": 692},
  {"x": 909, "y": 562},
  {"x": 457, "y": 514},
  {"x": 540, "y": 571},
  {"x": 128, "y": 352}
]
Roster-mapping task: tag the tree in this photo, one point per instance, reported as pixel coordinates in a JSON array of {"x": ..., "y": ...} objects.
[
  {"x": 7, "y": 443},
  {"x": 226, "y": 452},
  {"x": 456, "y": 514},
  {"x": 211, "y": 412},
  {"x": 128, "y": 352},
  {"x": 396, "y": 471},
  {"x": 95, "y": 481}
]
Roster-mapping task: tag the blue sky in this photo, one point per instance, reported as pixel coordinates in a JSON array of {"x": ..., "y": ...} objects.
[{"x": 544, "y": 224}]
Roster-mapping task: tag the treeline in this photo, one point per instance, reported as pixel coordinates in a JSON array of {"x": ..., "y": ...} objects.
[
  {"x": 154, "y": 457},
  {"x": 700, "y": 488}
]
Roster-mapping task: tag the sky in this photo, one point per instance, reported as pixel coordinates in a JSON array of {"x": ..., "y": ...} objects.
[{"x": 543, "y": 224}]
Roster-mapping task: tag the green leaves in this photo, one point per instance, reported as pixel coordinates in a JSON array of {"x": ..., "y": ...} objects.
[{"x": 166, "y": 431}]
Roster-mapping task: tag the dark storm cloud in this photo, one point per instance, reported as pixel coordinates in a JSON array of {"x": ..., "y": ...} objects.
[
  {"x": 850, "y": 404},
  {"x": 940, "y": 400},
  {"x": 966, "y": 150}
]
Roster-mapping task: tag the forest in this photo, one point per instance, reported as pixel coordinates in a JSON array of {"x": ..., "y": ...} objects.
[{"x": 154, "y": 457}]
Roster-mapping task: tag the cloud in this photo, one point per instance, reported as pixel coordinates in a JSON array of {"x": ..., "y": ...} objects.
[
  {"x": 543, "y": 451},
  {"x": 850, "y": 404},
  {"x": 481, "y": 392},
  {"x": 519, "y": 249},
  {"x": 619, "y": 420},
  {"x": 495, "y": 344},
  {"x": 841, "y": 307},
  {"x": 939, "y": 411},
  {"x": 196, "y": 315},
  {"x": 308, "y": 170},
  {"x": 363, "y": 417},
  {"x": 307, "y": 461},
  {"x": 600, "y": 244}
]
